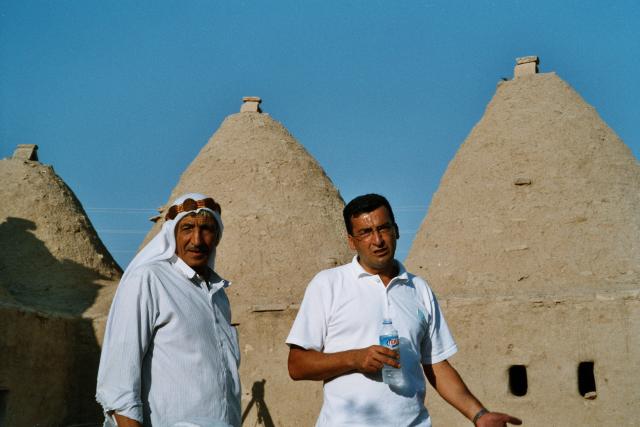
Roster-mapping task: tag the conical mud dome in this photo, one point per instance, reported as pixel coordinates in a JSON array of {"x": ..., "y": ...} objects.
[
  {"x": 56, "y": 284},
  {"x": 542, "y": 197},
  {"x": 531, "y": 243},
  {"x": 50, "y": 253},
  {"x": 282, "y": 214},
  {"x": 283, "y": 224}
]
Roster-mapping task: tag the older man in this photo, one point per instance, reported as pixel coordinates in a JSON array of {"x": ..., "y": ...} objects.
[
  {"x": 335, "y": 335},
  {"x": 170, "y": 355}
]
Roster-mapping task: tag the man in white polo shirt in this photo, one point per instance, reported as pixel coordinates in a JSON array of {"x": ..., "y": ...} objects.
[{"x": 334, "y": 337}]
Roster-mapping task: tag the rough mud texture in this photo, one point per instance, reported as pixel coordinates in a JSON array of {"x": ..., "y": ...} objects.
[
  {"x": 531, "y": 242},
  {"x": 268, "y": 393},
  {"x": 56, "y": 284},
  {"x": 542, "y": 197},
  {"x": 48, "y": 369},
  {"x": 550, "y": 337},
  {"x": 283, "y": 224},
  {"x": 51, "y": 258}
]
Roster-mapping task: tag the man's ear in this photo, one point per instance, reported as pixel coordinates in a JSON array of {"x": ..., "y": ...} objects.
[
  {"x": 216, "y": 242},
  {"x": 350, "y": 241},
  {"x": 397, "y": 230}
]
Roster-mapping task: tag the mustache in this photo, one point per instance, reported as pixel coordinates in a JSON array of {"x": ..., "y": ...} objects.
[{"x": 198, "y": 248}]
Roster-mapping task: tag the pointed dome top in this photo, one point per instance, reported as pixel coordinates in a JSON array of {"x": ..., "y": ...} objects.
[
  {"x": 282, "y": 214},
  {"x": 542, "y": 197},
  {"x": 51, "y": 257}
]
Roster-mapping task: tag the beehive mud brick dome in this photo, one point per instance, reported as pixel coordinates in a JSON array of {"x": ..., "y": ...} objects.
[
  {"x": 531, "y": 243},
  {"x": 56, "y": 284},
  {"x": 283, "y": 224}
]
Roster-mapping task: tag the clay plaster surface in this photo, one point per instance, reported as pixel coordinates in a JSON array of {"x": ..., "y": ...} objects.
[
  {"x": 283, "y": 224},
  {"x": 541, "y": 198},
  {"x": 56, "y": 284},
  {"x": 531, "y": 243}
]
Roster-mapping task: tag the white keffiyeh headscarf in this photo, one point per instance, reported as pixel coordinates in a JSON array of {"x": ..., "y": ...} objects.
[{"x": 163, "y": 245}]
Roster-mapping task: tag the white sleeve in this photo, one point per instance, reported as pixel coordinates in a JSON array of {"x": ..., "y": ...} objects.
[
  {"x": 127, "y": 337},
  {"x": 438, "y": 344},
  {"x": 310, "y": 326}
]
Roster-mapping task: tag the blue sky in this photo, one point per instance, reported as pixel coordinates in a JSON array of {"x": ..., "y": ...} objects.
[{"x": 120, "y": 96}]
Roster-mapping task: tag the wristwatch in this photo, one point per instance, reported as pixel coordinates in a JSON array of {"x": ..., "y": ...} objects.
[{"x": 480, "y": 413}]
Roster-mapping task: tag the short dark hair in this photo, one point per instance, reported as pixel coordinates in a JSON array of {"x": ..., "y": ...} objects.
[{"x": 364, "y": 204}]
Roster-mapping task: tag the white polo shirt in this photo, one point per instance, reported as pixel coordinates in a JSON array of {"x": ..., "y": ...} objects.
[{"x": 343, "y": 309}]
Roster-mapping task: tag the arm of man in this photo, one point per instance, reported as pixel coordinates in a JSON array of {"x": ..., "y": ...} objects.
[
  {"x": 314, "y": 365},
  {"x": 127, "y": 336},
  {"x": 123, "y": 421},
  {"x": 448, "y": 383}
]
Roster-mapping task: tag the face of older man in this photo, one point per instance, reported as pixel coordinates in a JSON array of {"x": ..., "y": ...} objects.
[{"x": 196, "y": 238}]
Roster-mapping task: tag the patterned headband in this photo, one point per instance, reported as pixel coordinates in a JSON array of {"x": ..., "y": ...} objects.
[{"x": 191, "y": 205}]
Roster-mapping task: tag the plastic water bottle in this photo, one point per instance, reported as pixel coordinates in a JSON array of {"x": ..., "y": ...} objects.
[{"x": 389, "y": 338}]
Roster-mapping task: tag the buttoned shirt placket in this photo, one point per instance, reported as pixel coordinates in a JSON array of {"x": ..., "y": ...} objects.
[
  {"x": 396, "y": 281},
  {"x": 210, "y": 290},
  {"x": 389, "y": 310}
]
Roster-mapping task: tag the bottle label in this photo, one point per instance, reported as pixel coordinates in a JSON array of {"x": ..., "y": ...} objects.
[{"x": 390, "y": 341}]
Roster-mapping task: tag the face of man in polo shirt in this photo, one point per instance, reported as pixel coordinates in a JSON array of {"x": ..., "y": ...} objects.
[
  {"x": 374, "y": 238},
  {"x": 196, "y": 238}
]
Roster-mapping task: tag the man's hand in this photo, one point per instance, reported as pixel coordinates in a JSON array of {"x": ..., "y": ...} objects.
[
  {"x": 447, "y": 382},
  {"x": 371, "y": 359},
  {"x": 497, "y": 419}
]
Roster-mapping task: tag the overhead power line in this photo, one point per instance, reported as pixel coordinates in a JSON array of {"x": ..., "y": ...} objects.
[
  {"x": 409, "y": 208},
  {"x": 121, "y": 231},
  {"x": 123, "y": 210},
  {"x": 401, "y": 208}
]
